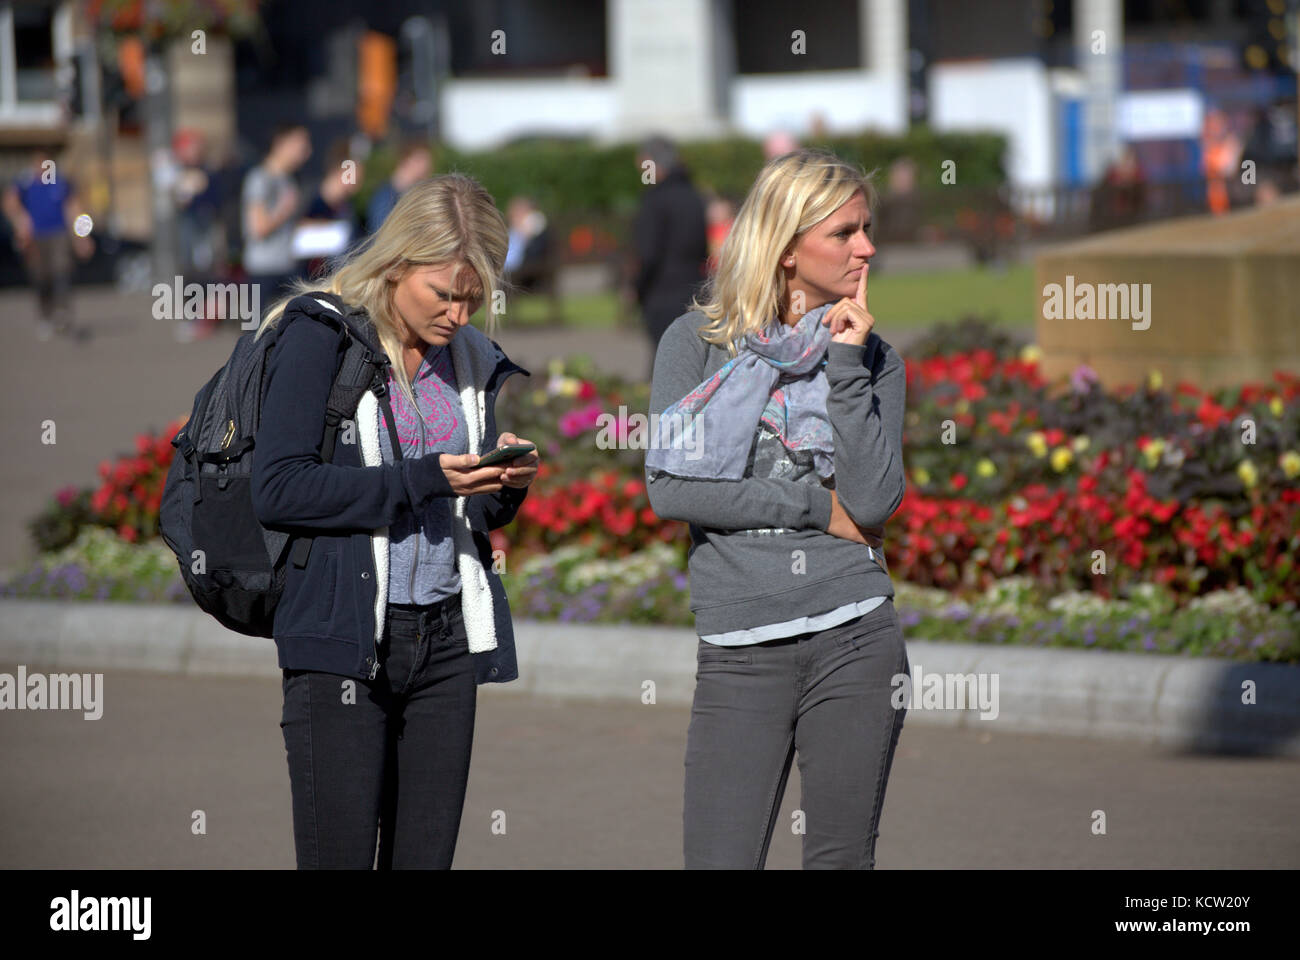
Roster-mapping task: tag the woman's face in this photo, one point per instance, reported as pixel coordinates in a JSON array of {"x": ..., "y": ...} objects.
[
  {"x": 828, "y": 259},
  {"x": 430, "y": 309}
]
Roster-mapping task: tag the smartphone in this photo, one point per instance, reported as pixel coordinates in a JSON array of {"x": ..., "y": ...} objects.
[{"x": 508, "y": 452}]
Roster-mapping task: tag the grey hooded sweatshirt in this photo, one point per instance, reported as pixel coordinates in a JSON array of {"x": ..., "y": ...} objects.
[{"x": 760, "y": 552}]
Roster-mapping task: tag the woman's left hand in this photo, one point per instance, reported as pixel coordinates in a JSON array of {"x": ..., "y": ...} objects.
[
  {"x": 849, "y": 319},
  {"x": 522, "y": 469}
]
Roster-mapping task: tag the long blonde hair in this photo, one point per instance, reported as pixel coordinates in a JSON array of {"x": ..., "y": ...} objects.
[
  {"x": 791, "y": 194},
  {"x": 449, "y": 218}
]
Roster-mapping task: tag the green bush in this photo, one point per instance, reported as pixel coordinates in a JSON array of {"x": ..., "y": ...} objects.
[{"x": 573, "y": 181}]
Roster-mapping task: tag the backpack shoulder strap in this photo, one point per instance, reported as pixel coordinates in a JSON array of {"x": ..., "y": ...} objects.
[{"x": 364, "y": 367}]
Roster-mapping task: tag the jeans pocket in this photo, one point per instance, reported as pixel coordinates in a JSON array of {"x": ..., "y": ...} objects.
[
  {"x": 710, "y": 654},
  {"x": 870, "y": 626}
]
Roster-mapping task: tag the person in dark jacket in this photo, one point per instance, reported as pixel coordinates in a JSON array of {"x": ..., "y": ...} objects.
[
  {"x": 396, "y": 614},
  {"x": 671, "y": 239}
]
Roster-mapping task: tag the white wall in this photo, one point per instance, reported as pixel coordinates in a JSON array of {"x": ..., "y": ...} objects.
[
  {"x": 848, "y": 100},
  {"x": 481, "y": 114},
  {"x": 1012, "y": 97}
]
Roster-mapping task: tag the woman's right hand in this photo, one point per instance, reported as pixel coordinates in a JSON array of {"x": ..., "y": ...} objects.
[
  {"x": 465, "y": 478},
  {"x": 842, "y": 525}
]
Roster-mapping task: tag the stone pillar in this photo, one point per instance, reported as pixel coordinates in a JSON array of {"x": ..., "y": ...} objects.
[
  {"x": 1103, "y": 74},
  {"x": 667, "y": 59},
  {"x": 885, "y": 48}
]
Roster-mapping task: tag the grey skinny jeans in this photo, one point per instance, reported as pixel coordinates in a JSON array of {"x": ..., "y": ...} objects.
[{"x": 826, "y": 695}]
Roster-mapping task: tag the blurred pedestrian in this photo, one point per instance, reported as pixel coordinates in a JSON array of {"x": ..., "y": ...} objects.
[
  {"x": 271, "y": 204},
  {"x": 779, "y": 142},
  {"x": 42, "y": 207},
  {"x": 414, "y": 163},
  {"x": 721, "y": 213},
  {"x": 528, "y": 256},
  {"x": 197, "y": 198},
  {"x": 1220, "y": 158},
  {"x": 331, "y": 221},
  {"x": 1120, "y": 198},
  {"x": 671, "y": 239}
]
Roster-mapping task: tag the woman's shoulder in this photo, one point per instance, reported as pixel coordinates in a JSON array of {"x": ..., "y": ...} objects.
[{"x": 684, "y": 333}]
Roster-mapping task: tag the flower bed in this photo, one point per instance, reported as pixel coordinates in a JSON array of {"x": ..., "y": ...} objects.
[
  {"x": 100, "y": 565},
  {"x": 1075, "y": 490},
  {"x": 1010, "y": 476},
  {"x": 582, "y": 584}
]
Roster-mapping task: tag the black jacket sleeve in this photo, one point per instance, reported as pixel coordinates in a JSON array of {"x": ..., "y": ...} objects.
[
  {"x": 291, "y": 485},
  {"x": 495, "y": 509}
]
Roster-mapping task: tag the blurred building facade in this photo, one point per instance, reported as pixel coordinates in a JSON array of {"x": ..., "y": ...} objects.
[{"x": 1069, "y": 82}]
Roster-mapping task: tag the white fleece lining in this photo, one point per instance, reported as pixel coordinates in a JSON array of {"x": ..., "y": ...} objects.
[
  {"x": 476, "y": 595},
  {"x": 367, "y": 420}
]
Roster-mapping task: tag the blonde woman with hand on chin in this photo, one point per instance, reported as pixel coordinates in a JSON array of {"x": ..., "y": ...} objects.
[{"x": 794, "y": 465}]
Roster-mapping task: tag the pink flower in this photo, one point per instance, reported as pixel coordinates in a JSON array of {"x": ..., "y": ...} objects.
[{"x": 581, "y": 420}]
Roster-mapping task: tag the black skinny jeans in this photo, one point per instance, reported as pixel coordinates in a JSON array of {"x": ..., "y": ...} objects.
[{"x": 388, "y": 756}]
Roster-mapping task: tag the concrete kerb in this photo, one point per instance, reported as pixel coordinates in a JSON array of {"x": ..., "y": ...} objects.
[{"x": 1174, "y": 702}]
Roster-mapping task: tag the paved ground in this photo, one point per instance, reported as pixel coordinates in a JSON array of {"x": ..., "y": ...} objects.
[{"x": 598, "y": 785}]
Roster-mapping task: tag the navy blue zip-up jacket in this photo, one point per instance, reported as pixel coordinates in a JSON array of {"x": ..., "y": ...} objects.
[{"x": 325, "y": 619}]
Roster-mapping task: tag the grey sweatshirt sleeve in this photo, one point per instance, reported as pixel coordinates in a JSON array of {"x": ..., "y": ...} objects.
[
  {"x": 868, "y": 389},
  {"x": 743, "y": 504}
]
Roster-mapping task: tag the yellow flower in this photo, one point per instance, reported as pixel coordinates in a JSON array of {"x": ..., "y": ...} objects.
[
  {"x": 1152, "y": 450},
  {"x": 1061, "y": 458},
  {"x": 539, "y": 398},
  {"x": 1081, "y": 443},
  {"x": 1290, "y": 464},
  {"x": 1030, "y": 353},
  {"x": 986, "y": 468},
  {"x": 1275, "y": 406},
  {"x": 569, "y": 386},
  {"x": 921, "y": 475},
  {"x": 1249, "y": 475},
  {"x": 1154, "y": 380},
  {"x": 962, "y": 405},
  {"x": 1037, "y": 443}
]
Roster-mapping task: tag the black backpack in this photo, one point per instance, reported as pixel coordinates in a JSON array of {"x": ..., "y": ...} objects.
[{"x": 234, "y": 567}]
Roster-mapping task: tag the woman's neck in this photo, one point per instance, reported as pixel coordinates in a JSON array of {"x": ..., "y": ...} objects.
[{"x": 786, "y": 316}]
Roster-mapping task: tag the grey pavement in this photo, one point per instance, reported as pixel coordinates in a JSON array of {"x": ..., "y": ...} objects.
[{"x": 598, "y": 785}]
